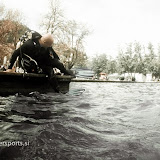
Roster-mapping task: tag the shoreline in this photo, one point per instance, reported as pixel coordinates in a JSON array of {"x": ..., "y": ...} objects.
[{"x": 108, "y": 81}]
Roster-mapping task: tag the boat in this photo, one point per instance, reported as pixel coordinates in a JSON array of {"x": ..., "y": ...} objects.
[{"x": 25, "y": 83}]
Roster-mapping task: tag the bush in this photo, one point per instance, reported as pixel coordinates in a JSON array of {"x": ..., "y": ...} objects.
[
  {"x": 121, "y": 78},
  {"x": 133, "y": 79}
]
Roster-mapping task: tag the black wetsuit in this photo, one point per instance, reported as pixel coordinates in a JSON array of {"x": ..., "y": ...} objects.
[{"x": 46, "y": 58}]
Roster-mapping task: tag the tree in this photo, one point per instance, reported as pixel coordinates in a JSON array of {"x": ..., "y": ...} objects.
[
  {"x": 75, "y": 34},
  {"x": 69, "y": 35},
  {"x": 151, "y": 60},
  {"x": 111, "y": 66},
  {"x": 99, "y": 64},
  {"x": 54, "y": 20},
  {"x": 5, "y": 29},
  {"x": 139, "y": 54},
  {"x": 5, "y": 25},
  {"x": 15, "y": 17},
  {"x": 127, "y": 60},
  {"x": 10, "y": 24},
  {"x": 136, "y": 60},
  {"x": 10, "y": 29}
]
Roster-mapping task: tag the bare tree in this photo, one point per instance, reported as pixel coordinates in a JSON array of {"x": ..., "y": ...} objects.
[
  {"x": 69, "y": 35},
  {"x": 75, "y": 34},
  {"x": 53, "y": 21}
]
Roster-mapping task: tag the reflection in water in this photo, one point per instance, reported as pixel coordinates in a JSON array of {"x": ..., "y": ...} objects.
[{"x": 94, "y": 121}]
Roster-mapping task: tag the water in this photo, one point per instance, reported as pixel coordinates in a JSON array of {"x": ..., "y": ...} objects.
[{"x": 94, "y": 121}]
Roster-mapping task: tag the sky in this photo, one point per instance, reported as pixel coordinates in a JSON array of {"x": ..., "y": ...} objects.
[{"x": 114, "y": 23}]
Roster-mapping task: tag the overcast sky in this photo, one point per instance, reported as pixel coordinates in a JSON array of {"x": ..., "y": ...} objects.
[{"x": 113, "y": 22}]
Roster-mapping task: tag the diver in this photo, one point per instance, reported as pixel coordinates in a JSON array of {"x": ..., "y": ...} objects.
[{"x": 40, "y": 51}]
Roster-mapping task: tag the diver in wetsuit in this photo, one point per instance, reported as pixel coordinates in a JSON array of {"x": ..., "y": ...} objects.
[{"x": 40, "y": 49}]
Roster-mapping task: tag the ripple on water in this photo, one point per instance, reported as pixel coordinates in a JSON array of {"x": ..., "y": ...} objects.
[{"x": 93, "y": 121}]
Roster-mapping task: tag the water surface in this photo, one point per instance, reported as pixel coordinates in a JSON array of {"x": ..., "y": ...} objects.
[{"x": 94, "y": 121}]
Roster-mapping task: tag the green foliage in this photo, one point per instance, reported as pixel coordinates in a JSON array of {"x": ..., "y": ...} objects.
[
  {"x": 133, "y": 59},
  {"x": 101, "y": 63}
]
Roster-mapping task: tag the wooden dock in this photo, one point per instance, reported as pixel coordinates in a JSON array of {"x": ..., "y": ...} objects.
[{"x": 12, "y": 83}]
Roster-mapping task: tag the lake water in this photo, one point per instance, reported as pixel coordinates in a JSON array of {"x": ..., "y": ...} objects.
[{"x": 94, "y": 121}]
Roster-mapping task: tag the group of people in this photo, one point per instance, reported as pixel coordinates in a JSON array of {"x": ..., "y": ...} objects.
[{"x": 40, "y": 50}]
